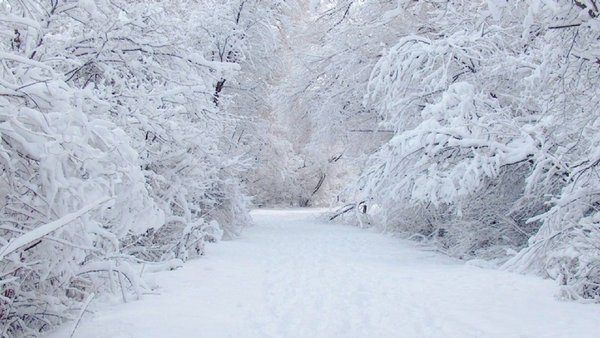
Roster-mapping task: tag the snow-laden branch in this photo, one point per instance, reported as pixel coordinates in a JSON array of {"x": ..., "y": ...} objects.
[{"x": 46, "y": 229}]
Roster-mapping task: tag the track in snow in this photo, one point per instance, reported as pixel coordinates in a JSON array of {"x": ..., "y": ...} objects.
[{"x": 293, "y": 276}]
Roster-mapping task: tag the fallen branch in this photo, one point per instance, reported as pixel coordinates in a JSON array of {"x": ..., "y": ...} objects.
[{"x": 343, "y": 210}]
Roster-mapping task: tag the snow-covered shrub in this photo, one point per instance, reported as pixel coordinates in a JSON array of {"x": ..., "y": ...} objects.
[
  {"x": 148, "y": 61},
  {"x": 456, "y": 145},
  {"x": 566, "y": 246},
  {"x": 57, "y": 161}
]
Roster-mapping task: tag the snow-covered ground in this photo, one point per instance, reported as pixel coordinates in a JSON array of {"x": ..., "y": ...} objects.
[{"x": 293, "y": 276}]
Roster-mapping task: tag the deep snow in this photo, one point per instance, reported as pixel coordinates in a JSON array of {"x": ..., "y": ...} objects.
[{"x": 294, "y": 276}]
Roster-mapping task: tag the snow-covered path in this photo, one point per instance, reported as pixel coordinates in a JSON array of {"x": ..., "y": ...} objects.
[{"x": 292, "y": 276}]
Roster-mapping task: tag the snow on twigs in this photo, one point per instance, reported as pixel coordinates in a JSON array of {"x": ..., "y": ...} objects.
[
  {"x": 131, "y": 100},
  {"x": 46, "y": 229}
]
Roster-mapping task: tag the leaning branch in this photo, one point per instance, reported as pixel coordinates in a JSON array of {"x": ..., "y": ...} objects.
[{"x": 45, "y": 229}]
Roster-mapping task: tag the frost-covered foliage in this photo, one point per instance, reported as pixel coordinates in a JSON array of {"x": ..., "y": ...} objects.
[
  {"x": 258, "y": 136},
  {"x": 494, "y": 109},
  {"x": 318, "y": 101},
  {"x": 115, "y": 146},
  {"x": 57, "y": 160}
]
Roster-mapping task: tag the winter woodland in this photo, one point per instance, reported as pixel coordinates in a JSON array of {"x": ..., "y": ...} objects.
[{"x": 134, "y": 132}]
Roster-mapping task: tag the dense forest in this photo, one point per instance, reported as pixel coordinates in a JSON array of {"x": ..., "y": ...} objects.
[{"x": 134, "y": 132}]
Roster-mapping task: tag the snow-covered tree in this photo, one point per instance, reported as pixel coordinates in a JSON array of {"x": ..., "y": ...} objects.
[
  {"x": 71, "y": 185},
  {"x": 319, "y": 100},
  {"x": 490, "y": 104},
  {"x": 115, "y": 149}
]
